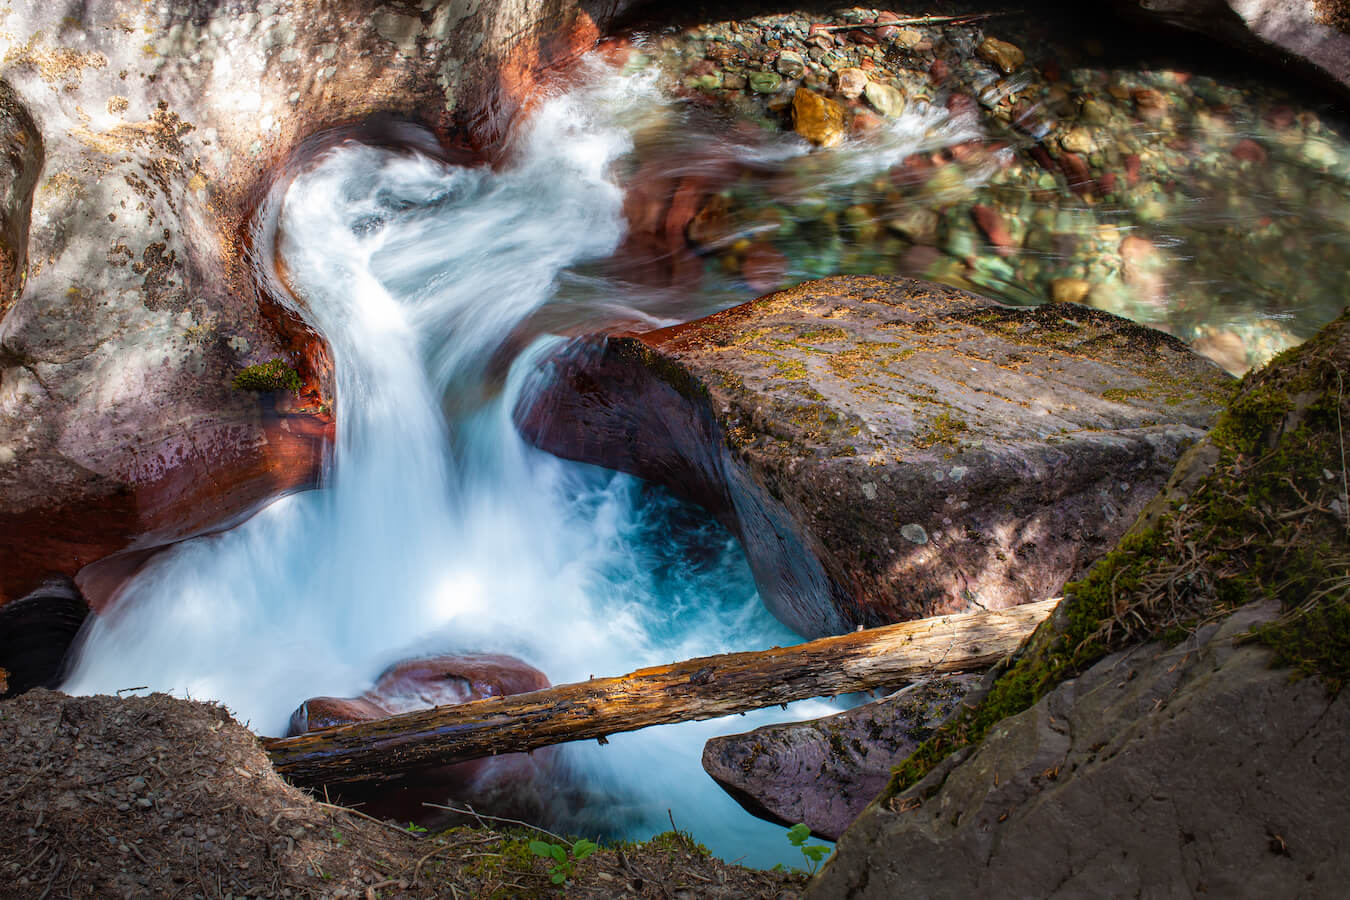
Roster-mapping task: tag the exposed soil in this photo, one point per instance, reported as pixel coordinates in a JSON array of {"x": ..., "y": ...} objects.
[{"x": 160, "y": 797}]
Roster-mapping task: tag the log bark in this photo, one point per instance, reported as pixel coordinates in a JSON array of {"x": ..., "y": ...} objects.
[{"x": 387, "y": 750}]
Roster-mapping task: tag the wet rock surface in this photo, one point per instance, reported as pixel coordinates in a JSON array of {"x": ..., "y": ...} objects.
[
  {"x": 533, "y": 787},
  {"x": 824, "y": 772},
  {"x": 888, "y": 449},
  {"x": 422, "y": 684},
  {"x": 162, "y": 125},
  {"x": 518, "y": 785},
  {"x": 1196, "y": 768}
]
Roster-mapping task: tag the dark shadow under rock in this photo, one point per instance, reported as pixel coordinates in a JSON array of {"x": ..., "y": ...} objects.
[{"x": 36, "y": 633}]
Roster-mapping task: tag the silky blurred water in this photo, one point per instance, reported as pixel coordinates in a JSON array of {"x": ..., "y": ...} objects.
[{"x": 438, "y": 530}]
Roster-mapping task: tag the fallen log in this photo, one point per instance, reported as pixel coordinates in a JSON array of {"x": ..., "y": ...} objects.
[{"x": 386, "y": 750}]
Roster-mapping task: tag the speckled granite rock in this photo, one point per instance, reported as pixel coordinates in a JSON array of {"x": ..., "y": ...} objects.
[{"x": 889, "y": 448}]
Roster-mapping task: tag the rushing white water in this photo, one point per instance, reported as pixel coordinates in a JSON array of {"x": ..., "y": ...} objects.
[{"x": 438, "y": 530}]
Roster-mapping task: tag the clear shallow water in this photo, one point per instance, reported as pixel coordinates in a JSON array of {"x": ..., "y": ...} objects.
[{"x": 1153, "y": 176}]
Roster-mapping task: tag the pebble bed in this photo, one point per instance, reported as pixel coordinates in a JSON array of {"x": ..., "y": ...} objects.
[{"x": 1025, "y": 165}]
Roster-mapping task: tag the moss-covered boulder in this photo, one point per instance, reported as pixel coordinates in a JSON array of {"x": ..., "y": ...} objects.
[
  {"x": 1179, "y": 724},
  {"x": 889, "y": 448}
]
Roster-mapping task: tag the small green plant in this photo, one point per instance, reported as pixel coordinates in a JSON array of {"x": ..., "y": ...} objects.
[
  {"x": 273, "y": 375},
  {"x": 414, "y": 828},
  {"x": 814, "y": 854},
  {"x": 564, "y": 862}
]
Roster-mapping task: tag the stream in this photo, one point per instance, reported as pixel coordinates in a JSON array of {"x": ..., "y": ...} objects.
[{"x": 438, "y": 530}]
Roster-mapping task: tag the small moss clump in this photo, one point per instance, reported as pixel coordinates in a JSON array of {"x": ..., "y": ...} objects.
[
  {"x": 944, "y": 429},
  {"x": 273, "y": 375}
]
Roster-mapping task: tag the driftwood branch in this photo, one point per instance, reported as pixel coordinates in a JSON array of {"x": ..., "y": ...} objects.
[{"x": 708, "y": 687}]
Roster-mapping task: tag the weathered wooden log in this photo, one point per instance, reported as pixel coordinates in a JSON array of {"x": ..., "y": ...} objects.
[{"x": 388, "y": 749}]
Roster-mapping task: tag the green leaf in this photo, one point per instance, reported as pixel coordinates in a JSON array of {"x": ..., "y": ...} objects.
[
  {"x": 816, "y": 852},
  {"x": 583, "y": 848},
  {"x": 779, "y": 867},
  {"x": 539, "y": 848},
  {"x": 558, "y": 877},
  {"x": 798, "y": 834},
  {"x": 557, "y": 852}
]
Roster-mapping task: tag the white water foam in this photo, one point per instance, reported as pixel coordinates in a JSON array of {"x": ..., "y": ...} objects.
[{"x": 438, "y": 529}]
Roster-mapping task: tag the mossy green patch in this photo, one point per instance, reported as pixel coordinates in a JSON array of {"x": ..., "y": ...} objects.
[
  {"x": 944, "y": 428},
  {"x": 1315, "y": 640},
  {"x": 273, "y": 375}
]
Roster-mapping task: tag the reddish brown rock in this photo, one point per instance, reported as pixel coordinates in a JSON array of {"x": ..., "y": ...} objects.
[
  {"x": 518, "y": 785},
  {"x": 993, "y": 226},
  {"x": 1150, "y": 104},
  {"x": 422, "y": 684},
  {"x": 1249, "y": 150},
  {"x": 763, "y": 267},
  {"x": 662, "y": 203},
  {"x": 960, "y": 104},
  {"x": 1132, "y": 166},
  {"x": 887, "y": 449},
  {"x": 1280, "y": 117},
  {"x": 1076, "y": 171},
  {"x": 712, "y": 227}
]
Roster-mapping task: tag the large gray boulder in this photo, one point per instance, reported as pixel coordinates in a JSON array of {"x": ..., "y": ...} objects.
[
  {"x": 1160, "y": 772},
  {"x": 888, "y": 449},
  {"x": 1177, "y": 727}
]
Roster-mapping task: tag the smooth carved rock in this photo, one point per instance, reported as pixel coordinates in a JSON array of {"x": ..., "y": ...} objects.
[
  {"x": 821, "y": 422},
  {"x": 163, "y": 124},
  {"x": 1158, "y": 772},
  {"x": 511, "y": 784},
  {"x": 824, "y": 772},
  {"x": 422, "y": 684}
]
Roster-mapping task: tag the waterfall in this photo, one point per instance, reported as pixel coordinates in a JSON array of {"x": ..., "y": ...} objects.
[{"x": 438, "y": 530}]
